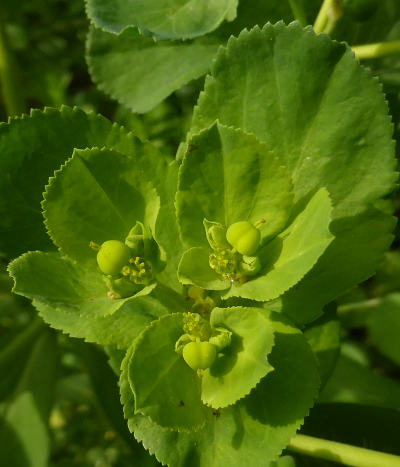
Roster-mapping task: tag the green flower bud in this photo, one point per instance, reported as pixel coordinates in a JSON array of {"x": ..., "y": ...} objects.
[
  {"x": 112, "y": 257},
  {"x": 250, "y": 265},
  {"x": 199, "y": 355},
  {"x": 244, "y": 237}
]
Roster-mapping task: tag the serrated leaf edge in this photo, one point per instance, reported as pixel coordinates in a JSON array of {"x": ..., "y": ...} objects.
[
  {"x": 137, "y": 341},
  {"x": 269, "y": 370}
]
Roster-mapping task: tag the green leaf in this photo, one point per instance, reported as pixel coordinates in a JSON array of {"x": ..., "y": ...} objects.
[
  {"x": 353, "y": 382},
  {"x": 257, "y": 427},
  {"x": 34, "y": 146},
  {"x": 156, "y": 68},
  {"x": 13, "y": 356},
  {"x": 74, "y": 300},
  {"x": 291, "y": 254},
  {"x": 194, "y": 268},
  {"x": 324, "y": 339},
  {"x": 119, "y": 329},
  {"x": 306, "y": 125},
  {"x": 166, "y": 389},
  {"x": 101, "y": 194},
  {"x": 105, "y": 388},
  {"x": 229, "y": 176},
  {"x": 63, "y": 284},
  {"x": 24, "y": 435},
  {"x": 166, "y": 19},
  {"x": 351, "y": 258},
  {"x": 301, "y": 93},
  {"x": 384, "y": 327},
  {"x": 244, "y": 362}
]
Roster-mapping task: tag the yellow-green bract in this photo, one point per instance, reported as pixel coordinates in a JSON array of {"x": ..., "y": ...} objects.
[{"x": 199, "y": 355}]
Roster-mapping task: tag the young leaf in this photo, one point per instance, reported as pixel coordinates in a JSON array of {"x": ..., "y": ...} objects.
[
  {"x": 165, "y": 388},
  {"x": 257, "y": 427},
  {"x": 102, "y": 195},
  {"x": 230, "y": 176},
  {"x": 194, "y": 268},
  {"x": 168, "y": 19},
  {"x": 291, "y": 254},
  {"x": 244, "y": 362},
  {"x": 156, "y": 68}
]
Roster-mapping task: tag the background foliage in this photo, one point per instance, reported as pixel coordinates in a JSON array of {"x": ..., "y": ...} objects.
[{"x": 63, "y": 389}]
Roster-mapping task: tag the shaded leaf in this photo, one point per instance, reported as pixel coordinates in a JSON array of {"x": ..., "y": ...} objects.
[
  {"x": 352, "y": 382},
  {"x": 23, "y": 427},
  {"x": 384, "y": 327},
  {"x": 324, "y": 339},
  {"x": 156, "y": 68}
]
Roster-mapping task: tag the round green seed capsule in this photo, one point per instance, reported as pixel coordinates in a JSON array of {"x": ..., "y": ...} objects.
[
  {"x": 244, "y": 237},
  {"x": 199, "y": 355},
  {"x": 112, "y": 256}
]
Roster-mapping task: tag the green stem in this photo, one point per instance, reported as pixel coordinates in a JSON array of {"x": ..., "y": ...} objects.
[
  {"x": 342, "y": 453},
  {"x": 376, "y": 50},
  {"x": 356, "y": 306},
  {"x": 298, "y": 12},
  {"x": 327, "y": 17},
  {"x": 12, "y": 97}
]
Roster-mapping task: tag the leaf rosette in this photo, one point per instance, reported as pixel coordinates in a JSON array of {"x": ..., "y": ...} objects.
[
  {"x": 271, "y": 374},
  {"x": 231, "y": 188}
]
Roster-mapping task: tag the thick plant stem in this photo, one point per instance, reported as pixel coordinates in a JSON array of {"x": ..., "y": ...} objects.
[
  {"x": 12, "y": 98},
  {"x": 379, "y": 49},
  {"x": 328, "y": 14},
  {"x": 298, "y": 12},
  {"x": 341, "y": 453}
]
